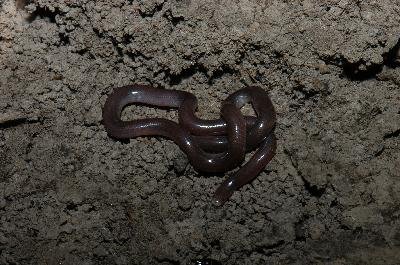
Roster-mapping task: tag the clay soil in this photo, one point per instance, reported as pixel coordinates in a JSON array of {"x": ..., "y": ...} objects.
[{"x": 69, "y": 194}]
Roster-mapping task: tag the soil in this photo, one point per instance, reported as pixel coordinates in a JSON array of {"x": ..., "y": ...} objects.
[{"x": 69, "y": 194}]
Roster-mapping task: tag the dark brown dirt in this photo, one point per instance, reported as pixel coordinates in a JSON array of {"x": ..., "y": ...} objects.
[{"x": 69, "y": 194}]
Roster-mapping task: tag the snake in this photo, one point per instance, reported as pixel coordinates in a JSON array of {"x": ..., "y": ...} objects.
[{"x": 212, "y": 146}]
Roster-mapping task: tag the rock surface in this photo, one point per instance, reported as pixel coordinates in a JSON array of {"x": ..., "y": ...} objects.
[{"x": 69, "y": 194}]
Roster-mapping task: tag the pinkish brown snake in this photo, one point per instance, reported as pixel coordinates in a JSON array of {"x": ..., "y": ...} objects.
[{"x": 212, "y": 146}]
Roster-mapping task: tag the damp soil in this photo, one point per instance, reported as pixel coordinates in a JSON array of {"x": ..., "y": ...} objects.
[{"x": 69, "y": 194}]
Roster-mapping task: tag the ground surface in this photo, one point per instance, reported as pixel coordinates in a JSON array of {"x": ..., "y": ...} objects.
[{"x": 69, "y": 194}]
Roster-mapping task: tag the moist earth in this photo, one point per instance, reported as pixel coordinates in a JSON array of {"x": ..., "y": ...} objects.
[{"x": 69, "y": 194}]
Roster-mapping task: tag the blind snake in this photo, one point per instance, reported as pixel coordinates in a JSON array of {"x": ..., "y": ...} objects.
[{"x": 212, "y": 146}]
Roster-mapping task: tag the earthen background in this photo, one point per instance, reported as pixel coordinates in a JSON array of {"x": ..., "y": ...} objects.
[{"x": 69, "y": 194}]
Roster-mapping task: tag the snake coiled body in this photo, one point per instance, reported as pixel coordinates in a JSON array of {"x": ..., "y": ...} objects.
[{"x": 212, "y": 146}]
